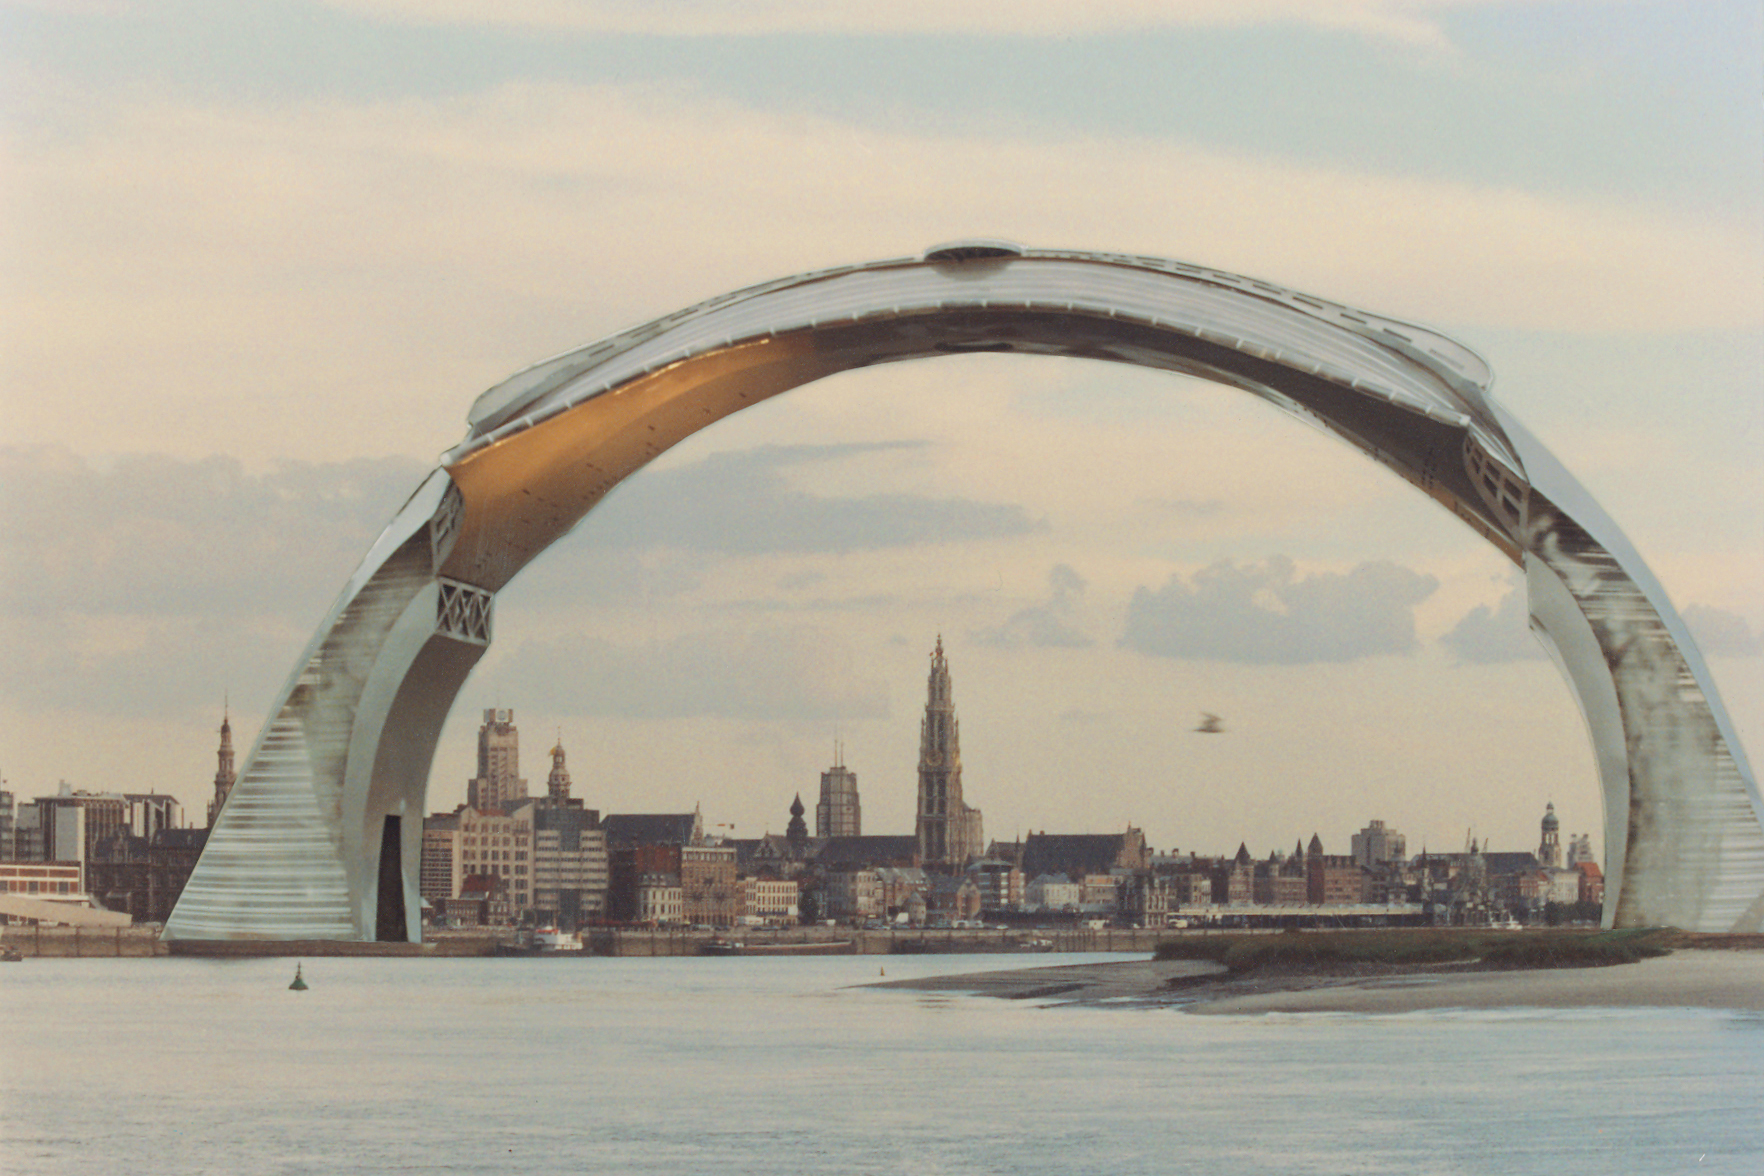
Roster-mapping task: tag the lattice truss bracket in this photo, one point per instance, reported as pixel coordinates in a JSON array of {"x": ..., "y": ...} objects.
[{"x": 463, "y": 612}]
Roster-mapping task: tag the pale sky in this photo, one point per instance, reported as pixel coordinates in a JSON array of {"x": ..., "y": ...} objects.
[{"x": 258, "y": 261}]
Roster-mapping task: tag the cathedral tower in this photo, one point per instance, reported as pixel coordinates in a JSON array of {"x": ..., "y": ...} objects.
[
  {"x": 498, "y": 783},
  {"x": 839, "y": 814},
  {"x": 949, "y": 831},
  {"x": 224, "y": 775}
]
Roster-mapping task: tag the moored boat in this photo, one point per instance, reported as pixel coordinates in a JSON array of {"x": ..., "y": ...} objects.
[{"x": 549, "y": 939}]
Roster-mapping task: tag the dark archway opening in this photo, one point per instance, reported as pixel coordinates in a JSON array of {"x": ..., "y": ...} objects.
[{"x": 389, "y": 923}]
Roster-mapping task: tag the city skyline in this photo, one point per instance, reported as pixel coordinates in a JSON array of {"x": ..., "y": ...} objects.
[{"x": 286, "y": 358}]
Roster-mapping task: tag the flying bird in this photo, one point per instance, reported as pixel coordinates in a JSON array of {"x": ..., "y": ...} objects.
[{"x": 1210, "y": 725}]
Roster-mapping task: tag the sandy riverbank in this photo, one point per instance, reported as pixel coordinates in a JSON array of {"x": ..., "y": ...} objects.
[{"x": 1684, "y": 979}]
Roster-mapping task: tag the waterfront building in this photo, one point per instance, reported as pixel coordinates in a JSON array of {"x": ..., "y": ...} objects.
[
  {"x": 483, "y": 901},
  {"x": 839, "y": 814},
  {"x": 952, "y": 897},
  {"x": 498, "y": 784},
  {"x": 1374, "y": 845},
  {"x": 225, "y": 775},
  {"x": 658, "y": 899},
  {"x": 1236, "y": 885},
  {"x": 1192, "y": 886},
  {"x": 948, "y": 829},
  {"x": 548, "y": 849},
  {"x": 643, "y": 844},
  {"x": 1100, "y": 894},
  {"x": 143, "y": 876},
  {"x": 1054, "y": 892},
  {"x": 69, "y": 826},
  {"x": 172, "y": 855},
  {"x": 1333, "y": 879},
  {"x": 1147, "y": 899},
  {"x": 498, "y": 843},
  {"x": 899, "y": 886},
  {"x": 41, "y": 879},
  {"x": 1592, "y": 881},
  {"x": 1514, "y": 880},
  {"x": 708, "y": 892},
  {"x": 8, "y": 826},
  {"x": 851, "y": 895},
  {"x": 570, "y": 868},
  {"x": 119, "y": 874},
  {"x": 443, "y": 866},
  {"x": 1000, "y": 884},
  {"x": 770, "y": 900}
]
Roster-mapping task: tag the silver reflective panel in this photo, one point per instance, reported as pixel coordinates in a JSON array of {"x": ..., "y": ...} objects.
[{"x": 340, "y": 773}]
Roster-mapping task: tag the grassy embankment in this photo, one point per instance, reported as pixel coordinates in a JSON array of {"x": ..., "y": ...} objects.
[{"x": 1373, "y": 951}]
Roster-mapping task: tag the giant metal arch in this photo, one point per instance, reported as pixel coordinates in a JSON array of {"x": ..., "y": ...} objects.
[{"x": 321, "y": 837}]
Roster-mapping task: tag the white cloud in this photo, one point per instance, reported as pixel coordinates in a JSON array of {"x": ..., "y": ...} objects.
[
  {"x": 1269, "y": 615},
  {"x": 740, "y": 503},
  {"x": 1501, "y": 634},
  {"x": 1049, "y": 625}
]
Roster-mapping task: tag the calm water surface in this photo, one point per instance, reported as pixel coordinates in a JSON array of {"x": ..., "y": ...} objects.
[{"x": 782, "y": 1066}]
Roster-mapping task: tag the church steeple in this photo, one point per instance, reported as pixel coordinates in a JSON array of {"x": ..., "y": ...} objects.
[
  {"x": 796, "y": 832},
  {"x": 224, "y": 773},
  {"x": 949, "y": 830},
  {"x": 1549, "y": 848},
  {"x": 557, "y": 785}
]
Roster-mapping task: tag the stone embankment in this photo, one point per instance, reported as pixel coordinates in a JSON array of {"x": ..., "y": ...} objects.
[
  {"x": 82, "y": 942},
  {"x": 143, "y": 941}
]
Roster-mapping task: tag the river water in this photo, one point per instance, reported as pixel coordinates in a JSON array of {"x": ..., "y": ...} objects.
[{"x": 786, "y": 1066}]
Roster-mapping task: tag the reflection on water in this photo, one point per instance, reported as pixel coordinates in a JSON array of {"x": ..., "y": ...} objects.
[{"x": 781, "y": 1066}]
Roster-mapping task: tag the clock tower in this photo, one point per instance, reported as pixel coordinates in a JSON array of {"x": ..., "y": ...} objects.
[{"x": 949, "y": 831}]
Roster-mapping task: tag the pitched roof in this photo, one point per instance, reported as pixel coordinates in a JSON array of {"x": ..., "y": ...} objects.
[
  {"x": 885, "y": 850},
  {"x": 188, "y": 838},
  {"x": 1075, "y": 854},
  {"x": 650, "y": 828}
]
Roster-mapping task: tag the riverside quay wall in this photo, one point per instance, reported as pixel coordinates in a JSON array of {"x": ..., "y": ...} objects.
[
  {"x": 144, "y": 941},
  {"x": 620, "y": 941},
  {"x": 83, "y": 942}
]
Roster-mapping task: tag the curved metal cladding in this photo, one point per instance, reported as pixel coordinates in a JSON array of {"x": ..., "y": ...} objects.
[{"x": 297, "y": 849}]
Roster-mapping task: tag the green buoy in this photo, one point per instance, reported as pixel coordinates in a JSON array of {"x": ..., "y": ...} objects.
[{"x": 299, "y": 985}]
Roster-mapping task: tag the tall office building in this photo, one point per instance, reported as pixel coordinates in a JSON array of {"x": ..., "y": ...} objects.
[
  {"x": 498, "y": 784},
  {"x": 839, "y": 814},
  {"x": 948, "y": 829}
]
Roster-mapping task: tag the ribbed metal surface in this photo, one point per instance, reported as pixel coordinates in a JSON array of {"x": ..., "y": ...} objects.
[
  {"x": 1399, "y": 362},
  {"x": 274, "y": 867}
]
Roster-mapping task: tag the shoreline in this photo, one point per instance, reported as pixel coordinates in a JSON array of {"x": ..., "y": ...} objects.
[{"x": 1689, "y": 978}]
